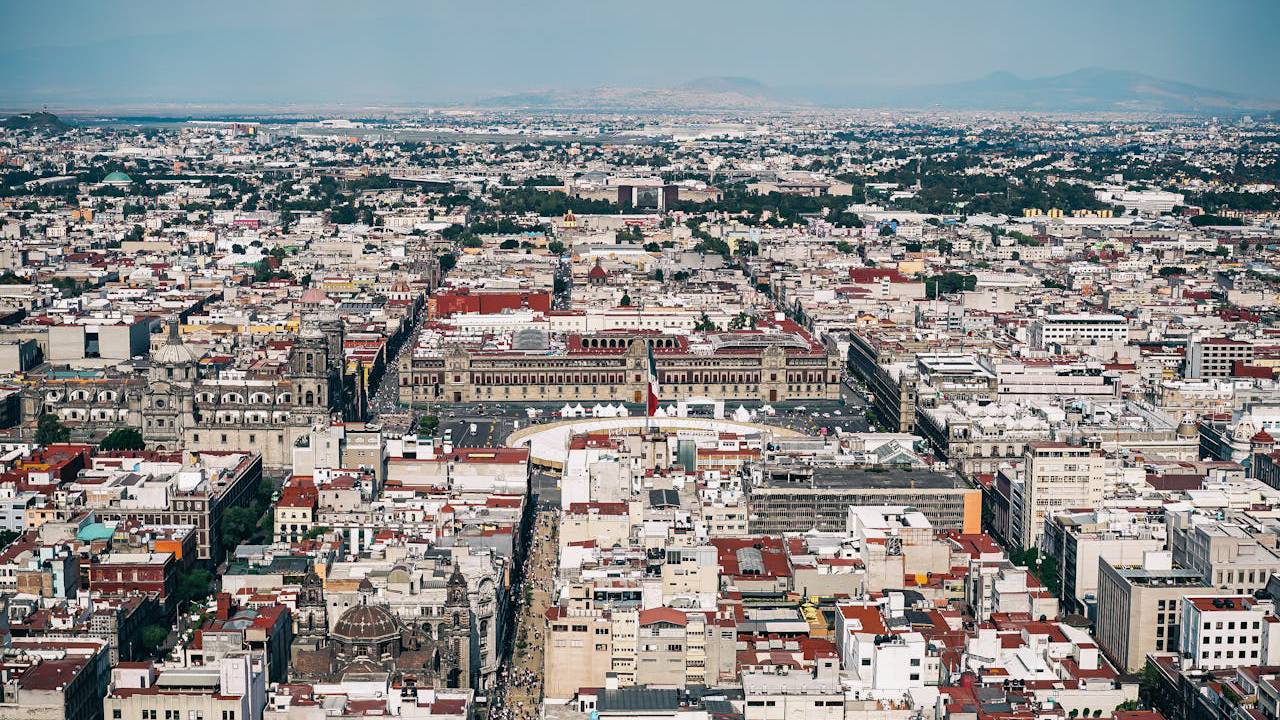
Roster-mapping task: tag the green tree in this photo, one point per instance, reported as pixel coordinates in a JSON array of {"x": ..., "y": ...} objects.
[
  {"x": 626, "y": 300},
  {"x": 472, "y": 241},
  {"x": 555, "y": 247},
  {"x": 948, "y": 283},
  {"x": 428, "y": 424},
  {"x": 447, "y": 262},
  {"x": 845, "y": 247},
  {"x": 343, "y": 215},
  {"x": 152, "y": 637},
  {"x": 704, "y": 324},
  {"x": 1171, "y": 270},
  {"x": 509, "y": 244},
  {"x": 50, "y": 430},
  {"x": 195, "y": 585},
  {"x": 238, "y": 525},
  {"x": 658, "y": 275},
  {"x": 123, "y": 439}
]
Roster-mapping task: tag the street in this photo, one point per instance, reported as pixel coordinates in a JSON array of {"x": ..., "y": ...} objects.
[{"x": 519, "y": 691}]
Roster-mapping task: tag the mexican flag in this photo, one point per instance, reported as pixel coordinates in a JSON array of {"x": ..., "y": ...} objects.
[{"x": 652, "y": 405}]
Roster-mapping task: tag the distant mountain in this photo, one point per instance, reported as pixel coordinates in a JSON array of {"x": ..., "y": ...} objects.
[
  {"x": 1085, "y": 90},
  {"x": 709, "y": 93},
  {"x": 47, "y": 122}
]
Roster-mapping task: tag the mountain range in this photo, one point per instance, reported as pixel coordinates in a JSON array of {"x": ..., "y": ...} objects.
[{"x": 1084, "y": 90}]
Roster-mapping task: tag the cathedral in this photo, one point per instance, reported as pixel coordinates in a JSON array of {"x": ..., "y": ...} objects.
[
  {"x": 369, "y": 640},
  {"x": 187, "y": 404}
]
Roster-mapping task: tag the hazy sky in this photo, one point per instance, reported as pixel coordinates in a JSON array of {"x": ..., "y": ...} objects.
[{"x": 70, "y": 53}]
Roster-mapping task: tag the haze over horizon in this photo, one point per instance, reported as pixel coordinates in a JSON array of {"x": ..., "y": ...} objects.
[{"x": 91, "y": 54}]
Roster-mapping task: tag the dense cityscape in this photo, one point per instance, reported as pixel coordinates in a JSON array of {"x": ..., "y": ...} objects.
[{"x": 509, "y": 415}]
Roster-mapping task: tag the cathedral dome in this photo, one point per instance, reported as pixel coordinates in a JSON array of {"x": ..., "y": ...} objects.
[
  {"x": 173, "y": 352},
  {"x": 366, "y": 623}
]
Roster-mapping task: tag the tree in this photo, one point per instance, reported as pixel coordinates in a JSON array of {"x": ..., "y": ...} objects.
[
  {"x": 886, "y": 230},
  {"x": 193, "y": 586},
  {"x": 428, "y": 424},
  {"x": 658, "y": 275},
  {"x": 1203, "y": 220},
  {"x": 472, "y": 241},
  {"x": 948, "y": 283},
  {"x": 845, "y": 247},
  {"x": 1171, "y": 270},
  {"x": 238, "y": 525},
  {"x": 152, "y": 637},
  {"x": 555, "y": 247},
  {"x": 447, "y": 262},
  {"x": 50, "y": 430},
  {"x": 123, "y": 439},
  {"x": 343, "y": 215},
  {"x": 652, "y": 247},
  {"x": 626, "y": 300},
  {"x": 704, "y": 324},
  {"x": 509, "y": 244}
]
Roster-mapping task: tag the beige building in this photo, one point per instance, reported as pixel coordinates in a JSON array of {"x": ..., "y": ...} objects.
[
  {"x": 1140, "y": 608},
  {"x": 234, "y": 689},
  {"x": 579, "y": 649},
  {"x": 660, "y": 647},
  {"x": 613, "y": 367},
  {"x": 1055, "y": 477}
]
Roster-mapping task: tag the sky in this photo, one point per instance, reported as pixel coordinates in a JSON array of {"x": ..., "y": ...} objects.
[{"x": 105, "y": 53}]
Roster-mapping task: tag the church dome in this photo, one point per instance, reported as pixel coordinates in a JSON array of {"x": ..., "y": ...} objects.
[
  {"x": 366, "y": 623},
  {"x": 1187, "y": 428},
  {"x": 173, "y": 352}
]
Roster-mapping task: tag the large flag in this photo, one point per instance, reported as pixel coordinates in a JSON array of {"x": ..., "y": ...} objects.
[{"x": 652, "y": 405}]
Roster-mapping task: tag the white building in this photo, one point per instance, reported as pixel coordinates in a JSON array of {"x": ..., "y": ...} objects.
[
  {"x": 1079, "y": 329},
  {"x": 1225, "y": 631}
]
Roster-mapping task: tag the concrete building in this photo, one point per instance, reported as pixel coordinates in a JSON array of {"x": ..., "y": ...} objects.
[
  {"x": 1139, "y": 608},
  {"x": 1077, "y": 540},
  {"x": 1227, "y": 631},
  {"x": 1216, "y": 357},
  {"x": 1079, "y": 329},
  {"x": 1054, "y": 476},
  {"x": 235, "y": 689},
  {"x": 797, "y": 498}
]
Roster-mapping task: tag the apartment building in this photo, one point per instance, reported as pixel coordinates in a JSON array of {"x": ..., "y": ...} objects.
[
  {"x": 1055, "y": 476},
  {"x": 1216, "y": 357},
  {"x": 1226, "y": 631}
]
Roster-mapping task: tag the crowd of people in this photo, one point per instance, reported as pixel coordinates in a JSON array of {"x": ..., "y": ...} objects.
[{"x": 518, "y": 693}]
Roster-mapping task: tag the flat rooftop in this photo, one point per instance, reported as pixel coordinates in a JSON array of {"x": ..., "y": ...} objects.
[{"x": 855, "y": 478}]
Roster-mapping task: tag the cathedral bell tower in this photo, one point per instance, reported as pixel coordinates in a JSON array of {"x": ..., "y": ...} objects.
[{"x": 455, "y": 634}]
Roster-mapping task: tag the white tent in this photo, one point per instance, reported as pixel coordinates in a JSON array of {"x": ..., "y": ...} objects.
[
  {"x": 672, "y": 412},
  {"x": 579, "y": 411},
  {"x": 741, "y": 414},
  {"x": 659, "y": 412},
  {"x": 566, "y": 411},
  {"x": 623, "y": 411}
]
